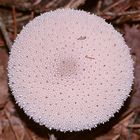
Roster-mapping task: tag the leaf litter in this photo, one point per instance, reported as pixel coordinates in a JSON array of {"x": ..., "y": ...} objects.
[{"x": 125, "y": 16}]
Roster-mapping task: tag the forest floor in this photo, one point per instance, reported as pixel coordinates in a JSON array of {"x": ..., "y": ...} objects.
[{"x": 124, "y": 15}]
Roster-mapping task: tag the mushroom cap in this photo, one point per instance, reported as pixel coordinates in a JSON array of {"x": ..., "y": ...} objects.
[{"x": 70, "y": 70}]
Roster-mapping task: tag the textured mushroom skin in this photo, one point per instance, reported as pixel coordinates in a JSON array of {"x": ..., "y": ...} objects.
[{"x": 70, "y": 70}]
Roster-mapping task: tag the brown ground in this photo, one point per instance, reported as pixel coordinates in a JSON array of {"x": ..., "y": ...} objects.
[{"x": 123, "y": 14}]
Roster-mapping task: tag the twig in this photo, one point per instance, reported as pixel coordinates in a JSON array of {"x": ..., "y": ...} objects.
[
  {"x": 126, "y": 118},
  {"x": 20, "y": 8},
  {"x": 1, "y": 43},
  {"x": 128, "y": 112},
  {"x": 135, "y": 126},
  {"x": 99, "y": 5},
  {"x": 113, "y": 5},
  {"x": 14, "y": 21},
  {"x": 36, "y": 2},
  {"x": 21, "y": 19},
  {"x": 116, "y": 137},
  {"x": 121, "y": 13},
  {"x": 52, "y": 137},
  {"x": 30, "y": 134},
  {"x": 132, "y": 120},
  {"x": 32, "y": 15},
  {"x": 10, "y": 124},
  {"x": 5, "y": 34}
]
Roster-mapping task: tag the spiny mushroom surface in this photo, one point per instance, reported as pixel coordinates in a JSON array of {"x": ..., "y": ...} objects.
[{"x": 70, "y": 70}]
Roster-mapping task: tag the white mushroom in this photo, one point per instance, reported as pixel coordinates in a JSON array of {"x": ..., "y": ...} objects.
[{"x": 70, "y": 70}]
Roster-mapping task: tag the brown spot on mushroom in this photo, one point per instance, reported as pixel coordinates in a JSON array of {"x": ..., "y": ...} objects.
[
  {"x": 66, "y": 66},
  {"x": 89, "y": 57},
  {"x": 81, "y": 38}
]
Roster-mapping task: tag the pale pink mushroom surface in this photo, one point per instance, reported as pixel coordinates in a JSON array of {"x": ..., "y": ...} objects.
[{"x": 70, "y": 70}]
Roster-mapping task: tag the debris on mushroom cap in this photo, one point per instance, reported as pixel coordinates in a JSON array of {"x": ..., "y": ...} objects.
[{"x": 70, "y": 70}]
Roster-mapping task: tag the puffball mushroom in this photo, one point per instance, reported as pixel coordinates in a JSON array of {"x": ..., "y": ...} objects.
[{"x": 70, "y": 70}]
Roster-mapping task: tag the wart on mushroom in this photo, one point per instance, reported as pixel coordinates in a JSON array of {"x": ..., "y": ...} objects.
[{"x": 70, "y": 70}]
